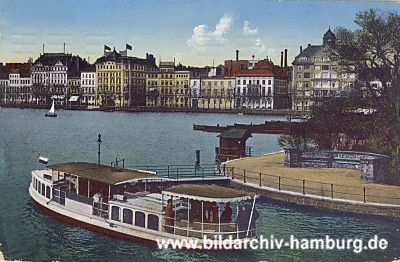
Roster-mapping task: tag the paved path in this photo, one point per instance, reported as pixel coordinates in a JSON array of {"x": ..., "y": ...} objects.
[{"x": 346, "y": 183}]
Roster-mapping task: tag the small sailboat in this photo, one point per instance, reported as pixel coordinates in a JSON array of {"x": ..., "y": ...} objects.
[{"x": 51, "y": 112}]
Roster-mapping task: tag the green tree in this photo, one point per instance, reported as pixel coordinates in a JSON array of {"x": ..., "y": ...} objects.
[{"x": 372, "y": 52}]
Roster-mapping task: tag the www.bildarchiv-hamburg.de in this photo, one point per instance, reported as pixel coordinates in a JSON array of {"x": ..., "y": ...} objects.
[{"x": 357, "y": 245}]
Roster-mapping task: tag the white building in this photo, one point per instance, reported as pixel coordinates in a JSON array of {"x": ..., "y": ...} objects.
[
  {"x": 255, "y": 92},
  {"x": 50, "y": 76},
  {"x": 195, "y": 85},
  {"x": 316, "y": 74},
  {"x": 88, "y": 85}
]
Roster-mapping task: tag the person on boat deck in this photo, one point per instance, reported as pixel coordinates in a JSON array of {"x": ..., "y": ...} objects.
[
  {"x": 181, "y": 209},
  {"x": 214, "y": 212},
  {"x": 226, "y": 216},
  {"x": 169, "y": 217}
]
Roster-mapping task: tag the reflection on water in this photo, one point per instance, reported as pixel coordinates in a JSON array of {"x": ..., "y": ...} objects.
[{"x": 145, "y": 139}]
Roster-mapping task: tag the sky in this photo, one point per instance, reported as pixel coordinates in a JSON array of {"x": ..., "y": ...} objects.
[{"x": 194, "y": 32}]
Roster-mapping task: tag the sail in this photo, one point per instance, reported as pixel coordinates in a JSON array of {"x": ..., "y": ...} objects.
[{"x": 51, "y": 111}]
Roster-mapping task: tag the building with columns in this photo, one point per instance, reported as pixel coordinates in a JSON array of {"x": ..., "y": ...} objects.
[{"x": 316, "y": 74}]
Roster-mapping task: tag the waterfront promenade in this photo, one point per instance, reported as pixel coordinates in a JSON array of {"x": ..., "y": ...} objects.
[{"x": 332, "y": 188}]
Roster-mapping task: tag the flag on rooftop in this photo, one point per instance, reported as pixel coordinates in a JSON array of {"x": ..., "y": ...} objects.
[
  {"x": 128, "y": 47},
  {"x": 107, "y": 48}
]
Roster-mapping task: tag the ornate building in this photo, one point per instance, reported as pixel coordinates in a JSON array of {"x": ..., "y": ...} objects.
[
  {"x": 121, "y": 79},
  {"x": 88, "y": 85},
  {"x": 50, "y": 74},
  {"x": 316, "y": 74}
]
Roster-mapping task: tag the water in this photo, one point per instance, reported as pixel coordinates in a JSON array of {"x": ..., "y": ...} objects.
[{"x": 145, "y": 139}]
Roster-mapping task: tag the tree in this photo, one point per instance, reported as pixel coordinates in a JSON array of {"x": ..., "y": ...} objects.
[{"x": 373, "y": 53}]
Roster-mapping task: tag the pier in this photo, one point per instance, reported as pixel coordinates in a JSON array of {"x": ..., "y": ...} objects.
[{"x": 268, "y": 127}]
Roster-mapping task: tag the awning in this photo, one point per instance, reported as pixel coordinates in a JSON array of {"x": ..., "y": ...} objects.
[
  {"x": 208, "y": 193},
  {"x": 73, "y": 98},
  {"x": 57, "y": 96}
]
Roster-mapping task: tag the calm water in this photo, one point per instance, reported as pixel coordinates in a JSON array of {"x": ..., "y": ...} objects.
[{"x": 145, "y": 139}]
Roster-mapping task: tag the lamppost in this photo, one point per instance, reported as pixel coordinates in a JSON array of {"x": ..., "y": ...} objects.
[{"x": 98, "y": 152}]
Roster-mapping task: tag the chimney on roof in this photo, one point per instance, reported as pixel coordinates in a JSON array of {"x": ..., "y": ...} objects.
[
  {"x": 282, "y": 59},
  {"x": 301, "y": 49},
  {"x": 237, "y": 55},
  {"x": 43, "y": 49},
  {"x": 64, "y": 47},
  {"x": 286, "y": 58}
]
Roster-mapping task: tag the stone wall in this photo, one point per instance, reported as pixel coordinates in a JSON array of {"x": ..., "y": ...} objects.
[{"x": 373, "y": 166}]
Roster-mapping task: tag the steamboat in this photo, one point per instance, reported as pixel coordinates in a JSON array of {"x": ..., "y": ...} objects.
[{"x": 140, "y": 205}]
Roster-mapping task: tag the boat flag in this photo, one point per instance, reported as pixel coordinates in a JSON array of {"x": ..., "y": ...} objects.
[
  {"x": 128, "y": 47},
  {"x": 43, "y": 160}
]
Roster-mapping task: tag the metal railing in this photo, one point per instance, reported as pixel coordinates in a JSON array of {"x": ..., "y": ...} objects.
[
  {"x": 183, "y": 171},
  {"x": 314, "y": 188}
]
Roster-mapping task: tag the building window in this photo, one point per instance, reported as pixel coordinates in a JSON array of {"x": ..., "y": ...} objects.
[
  {"x": 152, "y": 222},
  {"x": 325, "y": 67},
  {"x": 306, "y": 74},
  {"x": 139, "y": 219},
  {"x": 269, "y": 81},
  {"x": 115, "y": 213},
  {"x": 127, "y": 216}
]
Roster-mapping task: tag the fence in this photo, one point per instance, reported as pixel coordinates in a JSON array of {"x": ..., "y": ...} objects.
[{"x": 313, "y": 188}]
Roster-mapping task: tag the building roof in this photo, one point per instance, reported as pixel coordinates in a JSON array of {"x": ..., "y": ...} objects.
[
  {"x": 23, "y": 69},
  {"x": 209, "y": 193},
  {"x": 116, "y": 57},
  {"x": 102, "y": 173},
  {"x": 235, "y": 133},
  {"x": 74, "y": 63}
]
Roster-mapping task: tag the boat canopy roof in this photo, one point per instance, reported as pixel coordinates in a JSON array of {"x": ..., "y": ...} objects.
[
  {"x": 103, "y": 173},
  {"x": 208, "y": 193}
]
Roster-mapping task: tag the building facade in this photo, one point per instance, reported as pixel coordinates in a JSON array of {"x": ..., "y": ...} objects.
[
  {"x": 316, "y": 74},
  {"x": 50, "y": 74},
  {"x": 121, "y": 79},
  {"x": 17, "y": 88},
  {"x": 217, "y": 93},
  {"x": 88, "y": 85}
]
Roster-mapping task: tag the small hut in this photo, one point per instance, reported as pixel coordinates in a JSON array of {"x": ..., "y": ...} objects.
[{"x": 232, "y": 143}]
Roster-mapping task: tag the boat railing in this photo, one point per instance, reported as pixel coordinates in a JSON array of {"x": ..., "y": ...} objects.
[
  {"x": 211, "y": 230},
  {"x": 100, "y": 209},
  {"x": 184, "y": 171},
  {"x": 59, "y": 196}
]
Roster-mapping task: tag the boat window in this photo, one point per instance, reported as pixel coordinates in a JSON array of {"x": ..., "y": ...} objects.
[
  {"x": 127, "y": 216},
  {"x": 43, "y": 189},
  {"x": 152, "y": 222},
  {"x": 47, "y": 177},
  {"x": 115, "y": 213},
  {"x": 139, "y": 219},
  {"x": 39, "y": 186},
  {"x": 48, "y": 193}
]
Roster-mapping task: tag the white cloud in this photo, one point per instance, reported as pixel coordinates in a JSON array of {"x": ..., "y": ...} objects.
[
  {"x": 201, "y": 35},
  {"x": 222, "y": 27},
  {"x": 259, "y": 46},
  {"x": 200, "y": 38},
  {"x": 247, "y": 30}
]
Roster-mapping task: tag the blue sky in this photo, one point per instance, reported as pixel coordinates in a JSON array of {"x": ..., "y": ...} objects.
[{"x": 194, "y": 32}]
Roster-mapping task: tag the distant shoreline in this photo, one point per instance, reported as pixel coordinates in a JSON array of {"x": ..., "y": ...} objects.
[{"x": 274, "y": 112}]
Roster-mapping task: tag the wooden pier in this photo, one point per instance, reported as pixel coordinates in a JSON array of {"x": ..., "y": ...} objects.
[{"x": 269, "y": 127}]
